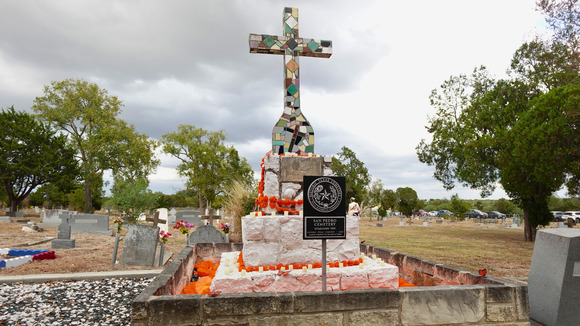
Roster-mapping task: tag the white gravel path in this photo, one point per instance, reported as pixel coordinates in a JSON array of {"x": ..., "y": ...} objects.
[{"x": 104, "y": 302}]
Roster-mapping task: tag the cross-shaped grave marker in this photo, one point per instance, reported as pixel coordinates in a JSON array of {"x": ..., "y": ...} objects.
[
  {"x": 293, "y": 133},
  {"x": 155, "y": 219}
]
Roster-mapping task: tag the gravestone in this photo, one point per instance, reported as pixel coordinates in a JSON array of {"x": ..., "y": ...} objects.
[
  {"x": 292, "y": 135},
  {"x": 516, "y": 222},
  {"x": 140, "y": 245},
  {"x": 206, "y": 234},
  {"x": 172, "y": 218},
  {"x": 192, "y": 216},
  {"x": 63, "y": 240},
  {"x": 88, "y": 223},
  {"x": 15, "y": 214},
  {"x": 163, "y": 216},
  {"x": 51, "y": 217},
  {"x": 554, "y": 281}
]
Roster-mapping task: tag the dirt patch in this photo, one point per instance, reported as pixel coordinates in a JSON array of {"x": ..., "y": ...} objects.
[{"x": 92, "y": 252}]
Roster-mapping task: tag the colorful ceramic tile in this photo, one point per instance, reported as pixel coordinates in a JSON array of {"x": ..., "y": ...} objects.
[{"x": 292, "y": 133}]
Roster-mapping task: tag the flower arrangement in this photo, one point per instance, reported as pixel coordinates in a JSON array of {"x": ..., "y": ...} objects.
[
  {"x": 164, "y": 236},
  {"x": 183, "y": 226},
  {"x": 119, "y": 222},
  {"x": 225, "y": 227}
]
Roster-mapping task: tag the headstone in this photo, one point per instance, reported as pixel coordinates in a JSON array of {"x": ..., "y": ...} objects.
[
  {"x": 140, "y": 245},
  {"x": 172, "y": 216},
  {"x": 63, "y": 240},
  {"x": 192, "y": 216},
  {"x": 15, "y": 214},
  {"x": 64, "y": 229},
  {"x": 163, "y": 216},
  {"x": 206, "y": 234},
  {"x": 51, "y": 217},
  {"x": 517, "y": 221},
  {"x": 554, "y": 281},
  {"x": 292, "y": 133},
  {"x": 89, "y": 223}
]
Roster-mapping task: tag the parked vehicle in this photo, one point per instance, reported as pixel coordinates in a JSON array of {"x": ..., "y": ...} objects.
[
  {"x": 558, "y": 216},
  {"x": 444, "y": 212},
  {"x": 420, "y": 212},
  {"x": 432, "y": 213},
  {"x": 475, "y": 213},
  {"x": 572, "y": 214},
  {"x": 495, "y": 214}
]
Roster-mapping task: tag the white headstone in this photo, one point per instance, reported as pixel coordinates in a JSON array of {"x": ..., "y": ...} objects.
[{"x": 163, "y": 216}]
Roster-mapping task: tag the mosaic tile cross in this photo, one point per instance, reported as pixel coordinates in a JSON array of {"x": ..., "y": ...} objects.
[{"x": 293, "y": 133}]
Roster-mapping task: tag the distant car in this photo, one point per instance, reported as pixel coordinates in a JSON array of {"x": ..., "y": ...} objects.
[
  {"x": 495, "y": 214},
  {"x": 432, "y": 213},
  {"x": 444, "y": 212},
  {"x": 558, "y": 216},
  {"x": 420, "y": 213},
  {"x": 475, "y": 213},
  {"x": 572, "y": 214}
]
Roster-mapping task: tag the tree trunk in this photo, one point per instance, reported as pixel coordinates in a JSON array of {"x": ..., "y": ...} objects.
[
  {"x": 202, "y": 205},
  {"x": 88, "y": 198},
  {"x": 529, "y": 231}
]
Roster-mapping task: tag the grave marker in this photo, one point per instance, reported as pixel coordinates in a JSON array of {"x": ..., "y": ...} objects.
[
  {"x": 191, "y": 216},
  {"x": 63, "y": 240},
  {"x": 206, "y": 234},
  {"x": 88, "y": 223},
  {"x": 140, "y": 245},
  {"x": 554, "y": 281},
  {"x": 292, "y": 133},
  {"x": 163, "y": 216}
]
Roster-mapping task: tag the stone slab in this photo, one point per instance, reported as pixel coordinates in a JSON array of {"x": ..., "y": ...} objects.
[
  {"x": 206, "y": 234},
  {"x": 63, "y": 243},
  {"x": 439, "y": 306},
  {"x": 372, "y": 274},
  {"x": 271, "y": 240},
  {"x": 88, "y": 223},
  {"x": 140, "y": 245},
  {"x": 51, "y": 217},
  {"x": 64, "y": 229},
  {"x": 191, "y": 216},
  {"x": 6, "y": 219},
  {"x": 294, "y": 168},
  {"x": 15, "y": 214},
  {"x": 554, "y": 281}
]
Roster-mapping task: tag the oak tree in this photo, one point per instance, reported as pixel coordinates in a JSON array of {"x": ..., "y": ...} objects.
[
  {"x": 89, "y": 116},
  {"x": 31, "y": 155}
]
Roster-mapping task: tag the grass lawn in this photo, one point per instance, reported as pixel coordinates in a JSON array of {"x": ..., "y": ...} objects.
[{"x": 459, "y": 244}]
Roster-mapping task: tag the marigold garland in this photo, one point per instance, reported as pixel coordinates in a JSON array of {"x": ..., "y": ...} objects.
[
  {"x": 206, "y": 271},
  {"x": 280, "y": 205}
]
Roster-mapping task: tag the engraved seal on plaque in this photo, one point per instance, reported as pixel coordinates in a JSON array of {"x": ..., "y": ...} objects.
[{"x": 324, "y": 194}]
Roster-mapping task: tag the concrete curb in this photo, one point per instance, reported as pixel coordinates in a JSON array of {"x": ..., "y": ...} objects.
[{"x": 39, "y": 278}]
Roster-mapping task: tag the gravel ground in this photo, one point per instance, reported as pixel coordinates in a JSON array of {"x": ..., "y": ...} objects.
[{"x": 104, "y": 302}]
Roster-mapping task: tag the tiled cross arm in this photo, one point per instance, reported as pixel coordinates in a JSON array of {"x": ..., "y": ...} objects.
[{"x": 272, "y": 44}]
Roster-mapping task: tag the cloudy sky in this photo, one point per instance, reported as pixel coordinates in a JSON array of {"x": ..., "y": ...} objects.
[{"x": 178, "y": 62}]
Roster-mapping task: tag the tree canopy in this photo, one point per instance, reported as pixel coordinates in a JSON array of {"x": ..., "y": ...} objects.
[
  {"x": 520, "y": 132},
  {"x": 408, "y": 200},
  {"x": 347, "y": 165},
  {"x": 206, "y": 161},
  {"x": 31, "y": 155},
  {"x": 89, "y": 116}
]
